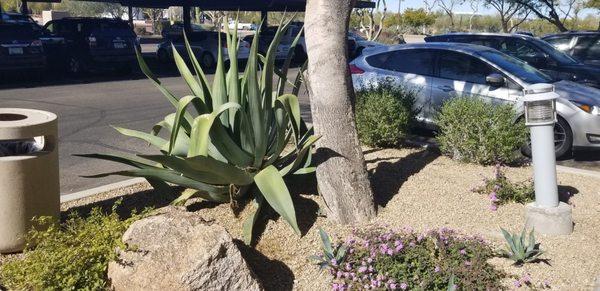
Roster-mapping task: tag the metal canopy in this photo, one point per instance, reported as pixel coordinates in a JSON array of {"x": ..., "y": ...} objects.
[{"x": 223, "y": 5}]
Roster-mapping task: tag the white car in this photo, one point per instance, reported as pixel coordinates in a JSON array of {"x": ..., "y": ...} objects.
[{"x": 242, "y": 26}]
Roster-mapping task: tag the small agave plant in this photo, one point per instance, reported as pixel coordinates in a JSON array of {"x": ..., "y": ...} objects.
[
  {"x": 332, "y": 255},
  {"x": 521, "y": 249},
  {"x": 243, "y": 131}
]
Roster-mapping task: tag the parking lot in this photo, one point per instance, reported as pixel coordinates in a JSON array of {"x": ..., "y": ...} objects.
[{"x": 87, "y": 106}]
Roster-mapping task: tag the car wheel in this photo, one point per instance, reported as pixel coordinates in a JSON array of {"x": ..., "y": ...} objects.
[
  {"x": 563, "y": 140},
  {"x": 162, "y": 55},
  {"x": 75, "y": 66},
  {"x": 207, "y": 61}
]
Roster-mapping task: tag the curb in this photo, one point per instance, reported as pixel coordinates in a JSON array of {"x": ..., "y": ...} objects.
[
  {"x": 100, "y": 189},
  {"x": 583, "y": 172}
]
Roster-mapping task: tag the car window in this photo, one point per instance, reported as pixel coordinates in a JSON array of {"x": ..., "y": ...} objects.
[
  {"x": 463, "y": 67},
  {"x": 518, "y": 48},
  {"x": 16, "y": 32},
  {"x": 560, "y": 43},
  {"x": 588, "y": 47},
  {"x": 414, "y": 61},
  {"x": 515, "y": 67}
]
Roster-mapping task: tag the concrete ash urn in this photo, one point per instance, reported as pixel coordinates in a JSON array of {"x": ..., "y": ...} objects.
[{"x": 29, "y": 184}]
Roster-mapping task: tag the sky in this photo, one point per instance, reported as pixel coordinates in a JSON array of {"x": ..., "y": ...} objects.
[{"x": 393, "y": 7}]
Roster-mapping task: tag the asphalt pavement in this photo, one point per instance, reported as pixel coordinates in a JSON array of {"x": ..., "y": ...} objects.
[{"x": 87, "y": 107}]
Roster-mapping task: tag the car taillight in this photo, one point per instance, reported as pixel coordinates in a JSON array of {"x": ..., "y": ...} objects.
[
  {"x": 36, "y": 42},
  {"x": 92, "y": 41},
  {"x": 354, "y": 70}
]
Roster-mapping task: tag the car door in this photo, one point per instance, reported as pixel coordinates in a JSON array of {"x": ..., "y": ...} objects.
[
  {"x": 587, "y": 49},
  {"x": 462, "y": 75},
  {"x": 412, "y": 68}
]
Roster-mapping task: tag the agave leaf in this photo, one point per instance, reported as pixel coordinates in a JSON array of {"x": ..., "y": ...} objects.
[
  {"x": 181, "y": 109},
  {"x": 531, "y": 245},
  {"x": 307, "y": 170},
  {"x": 201, "y": 129},
  {"x": 299, "y": 157},
  {"x": 160, "y": 186},
  {"x": 451, "y": 283},
  {"x": 255, "y": 109},
  {"x": 341, "y": 254},
  {"x": 273, "y": 188},
  {"x": 185, "y": 196},
  {"x": 200, "y": 76},
  {"x": 144, "y": 67},
  {"x": 509, "y": 239},
  {"x": 299, "y": 78},
  {"x": 267, "y": 72},
  {"x": 185, "y": 72},
  {"x": 218, "y": 193},
  {"x": 149, "y": 138},
  {"x": 248, "y": 227},
  {"x": 219, "y": 89},
  {"x": 287, "y": 63},
  {"x": 326, "y": 240},
  {"x": 233, "y": 83},
  {"x": 292, "y": 107},
  {"x": 127, "y": 160}
]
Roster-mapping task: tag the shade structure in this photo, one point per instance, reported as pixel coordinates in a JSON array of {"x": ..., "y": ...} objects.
[{"x": 224, "y": 5}]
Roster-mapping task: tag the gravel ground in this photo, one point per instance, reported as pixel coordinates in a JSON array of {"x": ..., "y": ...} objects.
[{"x": 413, "y": 187}]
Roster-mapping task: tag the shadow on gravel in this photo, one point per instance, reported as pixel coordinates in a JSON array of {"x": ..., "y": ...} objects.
[
  {"x": 388, "y": 177},
  {"x": 566, "y": 192},
  {"x": 273, "y": 274},
  {"x": 130, "y": 202}
]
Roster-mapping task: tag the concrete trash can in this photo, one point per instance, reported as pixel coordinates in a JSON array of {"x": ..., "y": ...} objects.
[{"x": 29, "y": 184}]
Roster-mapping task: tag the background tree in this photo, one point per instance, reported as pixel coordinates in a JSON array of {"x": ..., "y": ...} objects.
[
  {"x": 418, "y": 18},
  {"x": 155, "y": 15},
  {"x": 449, "y": 6},
  {"x": 475, "y": 5},
  {"x": 91, "y": 9},
  {"x": 594, "y": 4},
  {"x": 508, "y": 10},
  {"x": 372, "y": 19},
  {"x": 547, "y": 10},
  {"x": 15, "y": 6},
  {"x": 341, "y": 174}
]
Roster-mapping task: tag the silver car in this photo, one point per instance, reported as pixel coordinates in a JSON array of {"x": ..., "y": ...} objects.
[{"x": 440, "y": 71}]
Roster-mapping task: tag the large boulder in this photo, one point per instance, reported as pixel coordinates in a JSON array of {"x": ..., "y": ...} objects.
[{"x": 178, "y": 250}]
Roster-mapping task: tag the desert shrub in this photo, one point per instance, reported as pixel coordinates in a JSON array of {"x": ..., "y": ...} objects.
[
  {"x": 501, "y": 190},
  {"x": 382, "y": 259},
  {"x": 384, "y": 114},
  {"x": 476, "y": 131},
  {"x": 71, "y": 256}
]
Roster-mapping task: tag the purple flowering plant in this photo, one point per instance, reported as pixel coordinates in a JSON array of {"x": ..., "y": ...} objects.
[
  {"x": 500, "y": 190},
  {"x": 382, "y": 259}
]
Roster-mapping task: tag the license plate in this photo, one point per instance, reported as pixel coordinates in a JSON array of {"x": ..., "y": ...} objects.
[
  {"x": 119, "y": 45},
  {"x": 15, "y": 50}
]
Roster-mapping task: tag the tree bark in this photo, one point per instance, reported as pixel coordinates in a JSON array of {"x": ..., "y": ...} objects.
[{"x": 342, "y": 178}]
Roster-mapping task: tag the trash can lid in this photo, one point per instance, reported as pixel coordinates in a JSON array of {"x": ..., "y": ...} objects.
[{"x": 19, "y": 123}]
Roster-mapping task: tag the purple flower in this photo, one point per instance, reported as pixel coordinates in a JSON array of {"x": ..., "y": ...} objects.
[
  {"x": 393, "y": 286},
  {"x": 526, "y": 278},
  {"x": 403, "y": 286},
  {"x": 493, "y": 197},
  {"x": 493, "y": 207},
  {"x": 437, "y": 269},
  {"x": 468, "y": 263},
  {"x": 334, "y": 262},
  {"x": 517, "y": 283},
  {"x": 362, "y": 269},
  {"x": 463, "y": 252}
]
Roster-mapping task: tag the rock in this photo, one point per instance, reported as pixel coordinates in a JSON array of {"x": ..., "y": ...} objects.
[{"x": 179, "y": 250}]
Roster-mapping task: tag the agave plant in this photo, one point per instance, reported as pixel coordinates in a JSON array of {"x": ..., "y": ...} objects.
[
  {"x": 224, "y": 139},
  {"x": 331, "y": 254},
  {"x": 520, "y": 249}
]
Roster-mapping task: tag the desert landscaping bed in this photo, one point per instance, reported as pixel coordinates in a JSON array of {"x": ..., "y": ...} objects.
[{"x": 414, "y": 188}]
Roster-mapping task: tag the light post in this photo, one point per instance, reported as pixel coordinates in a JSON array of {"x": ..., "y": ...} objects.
[{"x": 547, "y": 214}]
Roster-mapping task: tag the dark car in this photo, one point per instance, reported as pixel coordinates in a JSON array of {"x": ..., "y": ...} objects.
[
  {"x": 533, "y": 51},
  {"x": 581, "y": 45},
  {"x": 20, "y": 49},
  {"x": 95, "y": 44}
]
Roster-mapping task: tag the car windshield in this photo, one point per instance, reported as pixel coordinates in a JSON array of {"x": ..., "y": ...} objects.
[
  {"x": 516, "y": 67},
  {"x": 120, "y": 28},
  {"x": 557, "y": 55}
]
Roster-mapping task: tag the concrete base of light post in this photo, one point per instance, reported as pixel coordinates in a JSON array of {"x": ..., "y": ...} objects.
[{"x": 549, "y": 220}]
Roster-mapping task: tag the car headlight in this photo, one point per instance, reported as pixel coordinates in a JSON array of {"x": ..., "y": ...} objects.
[{"x": 591, "y": 109}]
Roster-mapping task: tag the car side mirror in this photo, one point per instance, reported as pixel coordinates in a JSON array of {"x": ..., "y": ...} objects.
[{"x": 495, "y": 80}]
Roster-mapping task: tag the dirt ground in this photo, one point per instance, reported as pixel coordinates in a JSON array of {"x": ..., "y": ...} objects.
[{"x": 413, "y": 187}]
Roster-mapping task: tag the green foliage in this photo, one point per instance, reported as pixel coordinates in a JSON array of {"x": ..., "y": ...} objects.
[
  {"x": 501, "y": 190},
  {"x": 384, "y": 114},
  {"x": 332, "y": 255},
  {"x": 475, "y": 131},
  {"x": 72, "y": 256},
  {"x": 242, "y": 131},
  {"x": 437, "y": 260},
  {"x": 521, "y": 249},
  {"x": 418, "y": 17}
]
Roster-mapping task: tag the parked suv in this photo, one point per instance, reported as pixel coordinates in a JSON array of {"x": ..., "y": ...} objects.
[
  {"x": 96, "y": 43},
  {"x": 20, "y": 49},
  {"x": 535, "y": 52},
  {"x": 442, "y": 71},
  {"x": 581, "y": 45}
]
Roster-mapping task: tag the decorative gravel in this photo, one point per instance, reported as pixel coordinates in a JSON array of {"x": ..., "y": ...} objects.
[{"x": 414, "y": 187}]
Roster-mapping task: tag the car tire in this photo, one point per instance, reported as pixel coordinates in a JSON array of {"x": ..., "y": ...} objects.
[
  {"x": 563, "y": 140},
  {"x": 162, "y": 55},
  {"x": 207, "y": 61},
  {"x": 75, "y": 66}
]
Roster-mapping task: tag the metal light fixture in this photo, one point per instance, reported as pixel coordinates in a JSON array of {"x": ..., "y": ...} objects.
[{"x": 547, "y": 214}]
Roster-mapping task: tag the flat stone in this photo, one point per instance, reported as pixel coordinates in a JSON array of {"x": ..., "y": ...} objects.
[{"x": 178, "y": 250}]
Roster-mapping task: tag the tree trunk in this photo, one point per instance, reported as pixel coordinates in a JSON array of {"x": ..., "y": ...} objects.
[{"x": 341, "y": 174}]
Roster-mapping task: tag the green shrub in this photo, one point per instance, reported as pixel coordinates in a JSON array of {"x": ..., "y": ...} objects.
[
  {"x": 475, "y": 131},
  {"x": 384, "y": 114},
  {"x": 381, "y": 259},
  {"x": 500, "y": 190},
  {"x": 72, "y": 256},
  {"x": 229, "y": 137}
]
